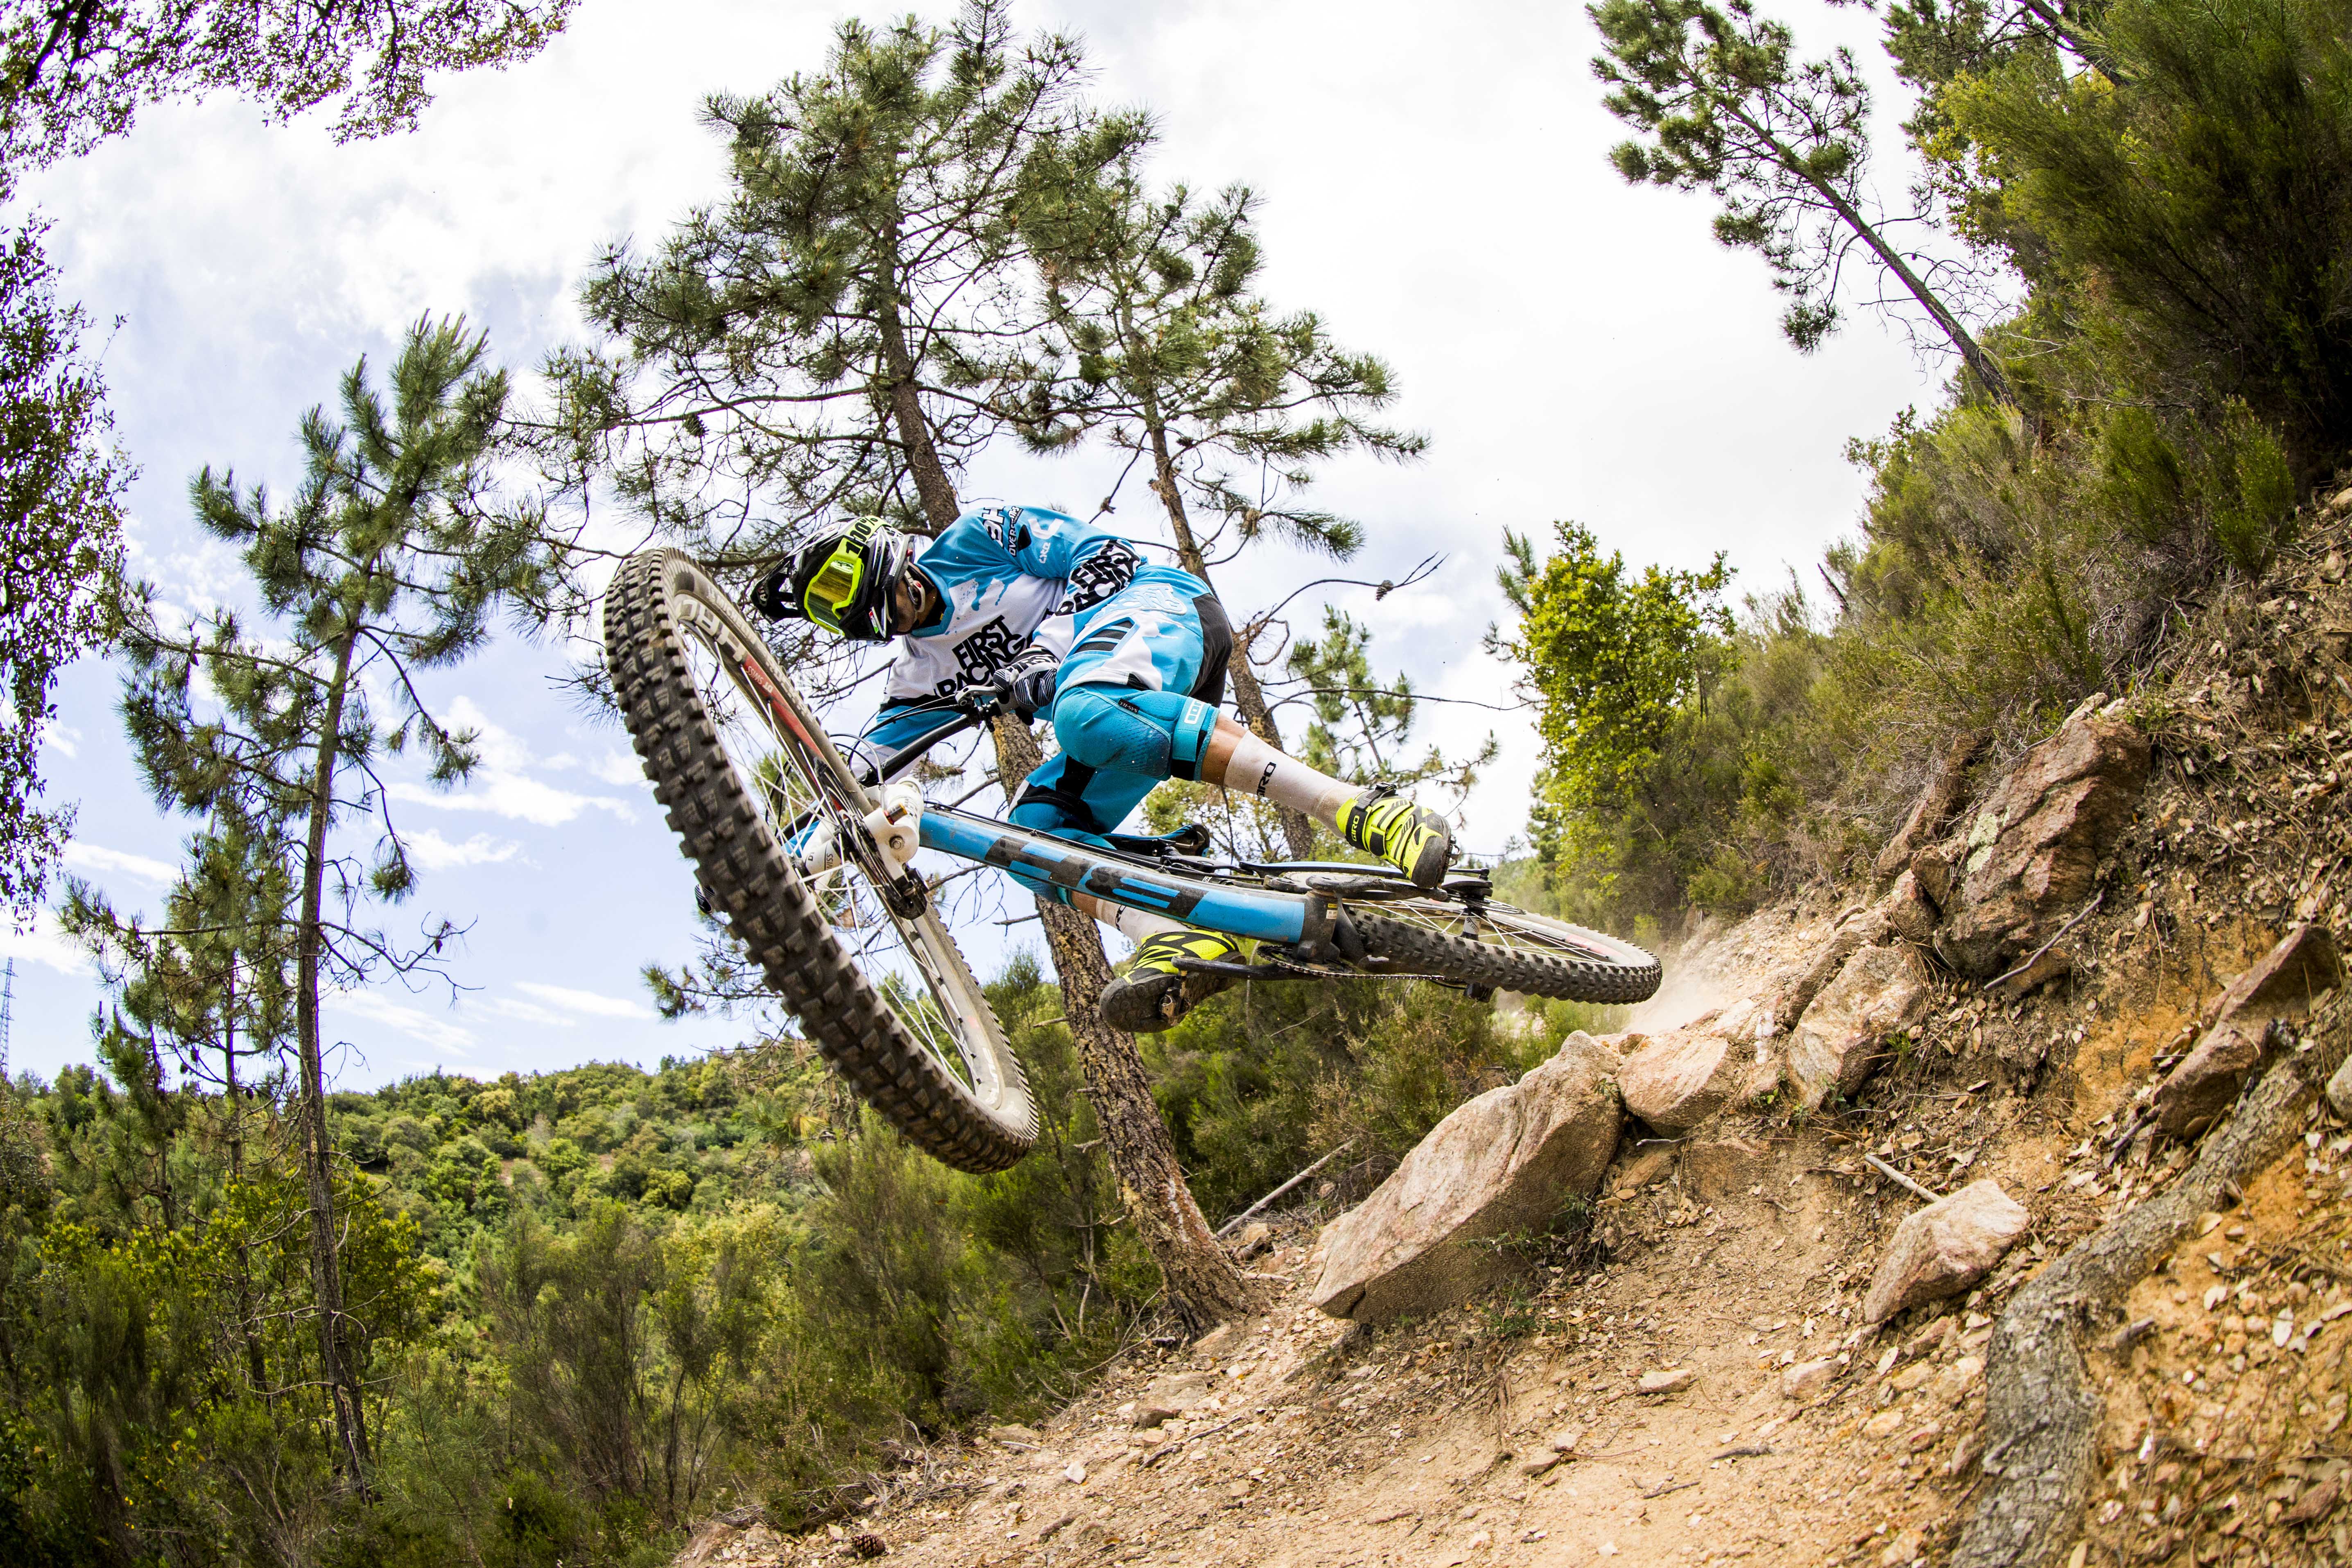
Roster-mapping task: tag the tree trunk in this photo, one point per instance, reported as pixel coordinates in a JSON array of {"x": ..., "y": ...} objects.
[
  {"x": 1203, "y": 1287},
  {"x": 1987, "y": 370},
  {"x": 1249, "y": 697},
  {"x": 931, "y": 484},
  {"x": 317, "y": 1151}
]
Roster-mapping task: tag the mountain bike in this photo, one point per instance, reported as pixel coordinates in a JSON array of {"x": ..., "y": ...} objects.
[{"x": 812, "y": 865}]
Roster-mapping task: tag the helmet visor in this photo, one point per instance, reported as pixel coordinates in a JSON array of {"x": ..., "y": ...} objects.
[{"x": 833, "y": 587}]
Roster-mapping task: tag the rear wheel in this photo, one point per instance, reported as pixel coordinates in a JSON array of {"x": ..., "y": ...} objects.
[
  {"x": 1495, "y": 945},
  {"x": 748, "y": 776}
]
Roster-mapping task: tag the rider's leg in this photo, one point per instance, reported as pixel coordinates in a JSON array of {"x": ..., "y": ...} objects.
[
  {"x": 1417, "y": 842},
  {"x": 1083, "y": 799},
  {"x": 1164, "y": 734}
]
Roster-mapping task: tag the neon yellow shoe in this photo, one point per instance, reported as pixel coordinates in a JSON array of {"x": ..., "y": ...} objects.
[
  {"x": 1418, "y": 843},
  {"x": 1154, "y": 993}
]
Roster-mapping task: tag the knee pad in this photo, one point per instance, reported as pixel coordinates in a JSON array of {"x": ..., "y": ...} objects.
[{"x": 1159, "y": 735}]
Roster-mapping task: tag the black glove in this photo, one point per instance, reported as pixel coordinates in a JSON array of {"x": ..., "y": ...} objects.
[
  {"x": 768, "y": 592},
  {"x": 1026, "y": 685}
]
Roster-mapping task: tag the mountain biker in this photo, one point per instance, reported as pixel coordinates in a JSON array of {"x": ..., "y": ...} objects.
[{"x": 1126, "y": 659}]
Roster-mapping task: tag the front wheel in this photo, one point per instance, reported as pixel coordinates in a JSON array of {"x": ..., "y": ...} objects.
[
  {"x": 1497, "y": 946},
  {"x": 746, "y": 773}
]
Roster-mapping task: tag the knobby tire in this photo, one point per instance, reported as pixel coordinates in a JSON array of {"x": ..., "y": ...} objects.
[{"x": 750, "y": 877}]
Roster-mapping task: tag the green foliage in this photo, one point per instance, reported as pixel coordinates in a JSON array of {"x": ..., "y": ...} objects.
[
  {"x": 61, "y": 490},
  {"x": 1610, "y": 656},
  {"x": 2191, "y": 214},
  {"x": 73, "y": 74}
]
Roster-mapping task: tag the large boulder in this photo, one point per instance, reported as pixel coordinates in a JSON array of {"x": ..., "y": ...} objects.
[
  {"x": 1503, "y": 1163},
  {"x": 1880, "y": 992},
  {"x": 2033, "y": 848},
  {"x": 2206, "y": 1081},
  {"x": 1679, "y": 1078},
  {"x": 1938, "y": 798},
  {"x": 1945, "y": 1248}
]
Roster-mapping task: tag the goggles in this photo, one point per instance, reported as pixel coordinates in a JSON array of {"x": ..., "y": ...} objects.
[{"x": 833, "y": 586}]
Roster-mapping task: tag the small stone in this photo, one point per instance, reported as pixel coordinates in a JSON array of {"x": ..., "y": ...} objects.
[
  {"x": 1014, "y": 1436},
  {"x": 2315, "y": 1503},
  {"x": 1664, "y": 1381},
  {"x": 1911, "y": 1377},
  {"x": 1806, "y": 1379},
  {"x": 1075, "y": 1474},
  {"x": 1217, "y": 1341},
  {"x": 1648, "y": 1165},
  {"x": 1909, "y": 911},
  {"x": 1885, "y": 1424},
  {"x": 1907, "y": 1546},
  {"x": 1256, "y": 1237},
  {"x": 1924, "y": 1438},
  {"x": 1147, "y": 1417},
  {"x": 1943, "y": 1248},
  {"x": 1565, "y": 1440}
]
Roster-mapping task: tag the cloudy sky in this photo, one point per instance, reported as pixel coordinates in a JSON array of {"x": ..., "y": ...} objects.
[{"x": 1434, "y": 184}]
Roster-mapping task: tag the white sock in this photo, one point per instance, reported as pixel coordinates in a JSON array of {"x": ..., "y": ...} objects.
[
  {"x": 1258, "y": 769},
  {"x": 1134, "y": 924}
]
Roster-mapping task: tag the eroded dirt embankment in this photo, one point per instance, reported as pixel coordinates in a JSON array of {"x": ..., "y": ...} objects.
[{"x": 1727, "y": 1267}]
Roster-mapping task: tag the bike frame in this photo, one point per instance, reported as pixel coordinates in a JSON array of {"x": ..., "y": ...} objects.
[{"x": 1304, "y": 920}]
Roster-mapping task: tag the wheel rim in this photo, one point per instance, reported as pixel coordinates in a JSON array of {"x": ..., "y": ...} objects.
[{"x": 801, "y": 800}]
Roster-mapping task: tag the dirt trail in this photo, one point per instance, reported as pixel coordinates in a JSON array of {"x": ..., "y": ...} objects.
[{"x": 1740, "y": 1254}]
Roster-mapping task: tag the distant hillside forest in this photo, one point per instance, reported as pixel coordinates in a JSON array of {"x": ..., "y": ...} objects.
[{"x": 601, "y": 1302}]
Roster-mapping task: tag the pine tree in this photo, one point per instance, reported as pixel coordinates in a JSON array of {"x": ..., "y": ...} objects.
[
  {"x": 1784, "y": 145},
  {"x": 843, "y": 336},
  {"x": 74, "y": 72},
  {"x": 391, "y": 559},
  {"x": 1167, "y": 350}
]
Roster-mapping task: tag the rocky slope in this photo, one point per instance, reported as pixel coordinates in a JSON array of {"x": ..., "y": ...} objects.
[{"x": 1680, "y": 1296}]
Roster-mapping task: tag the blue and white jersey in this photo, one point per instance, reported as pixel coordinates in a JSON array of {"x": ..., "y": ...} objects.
[{"x": 1011, "y": 577}]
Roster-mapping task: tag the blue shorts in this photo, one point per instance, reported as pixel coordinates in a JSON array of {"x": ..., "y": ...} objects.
[{"x": 1135, "y": 702}]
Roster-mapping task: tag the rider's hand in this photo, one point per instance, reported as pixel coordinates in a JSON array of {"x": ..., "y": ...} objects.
[
  {"x": 1026, "y": 685},
  {"x": 768, "y": 592}
]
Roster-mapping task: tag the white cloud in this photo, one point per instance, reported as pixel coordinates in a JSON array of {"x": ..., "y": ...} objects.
[
  {"x": 528, "y": 1013},
  {"x": 415, "y": 1022},
  {"x": 594, "y": 1004},
  {"x": 501, "y": 783},
  {"x": 435, "y": 853},
  {"x": 63, "y": 739},
  {"x": 620, "y": 768},
  {"x": 47, "y": 946},
  {"x": 98, "y": 859}
]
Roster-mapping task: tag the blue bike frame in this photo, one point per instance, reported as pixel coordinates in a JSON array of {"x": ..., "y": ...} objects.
[
  {"x": 1308, "y": 922},
  {"x": 1262, "y": 914}
]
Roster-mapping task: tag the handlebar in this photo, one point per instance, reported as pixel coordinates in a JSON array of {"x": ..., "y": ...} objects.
[{"x": 967, "y": 708}]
